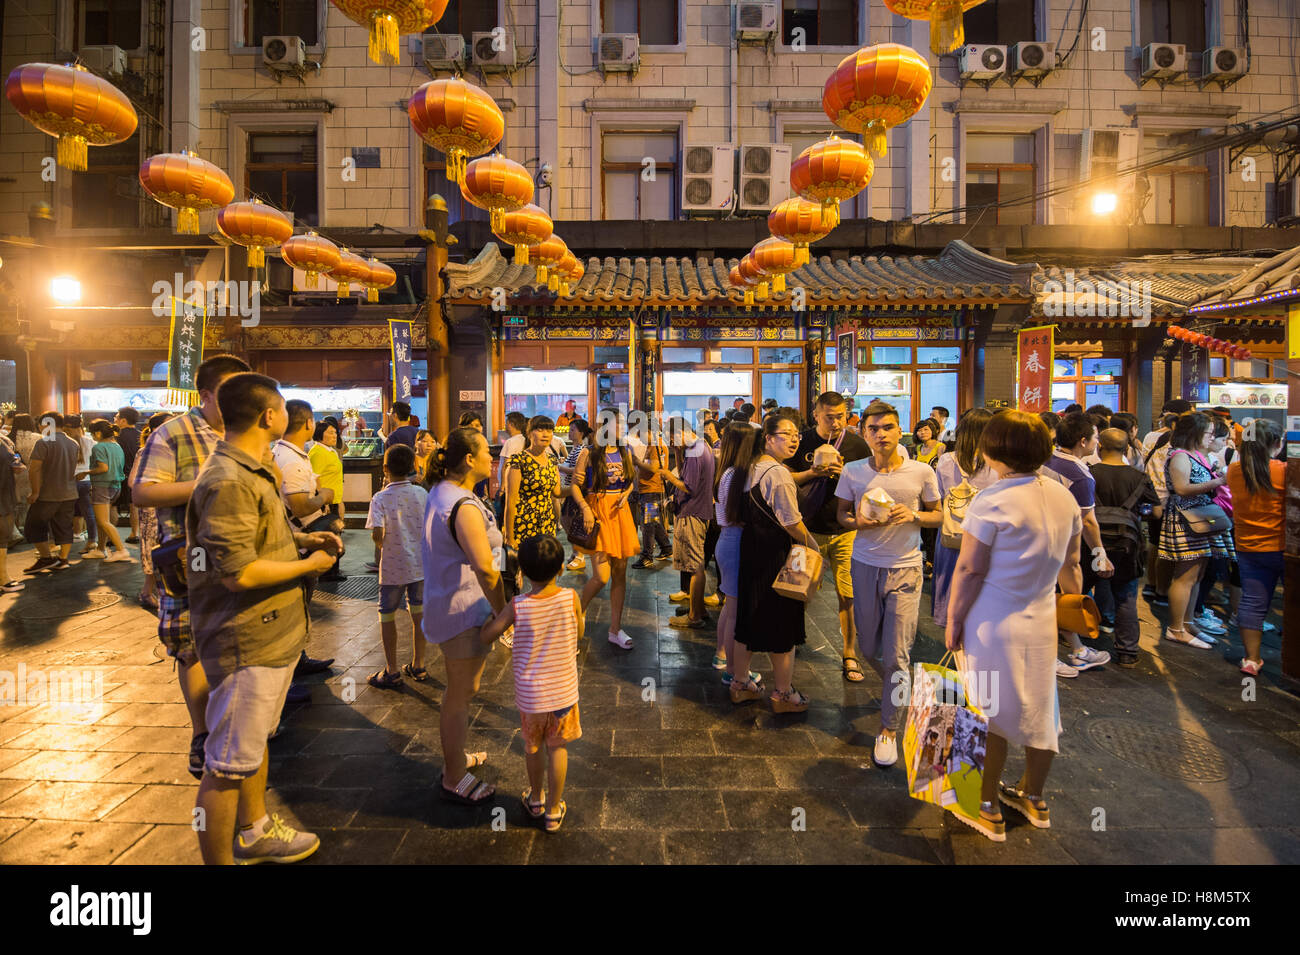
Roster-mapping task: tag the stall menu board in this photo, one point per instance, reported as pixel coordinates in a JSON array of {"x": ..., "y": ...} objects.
[{"x": 1247, "y": 395}]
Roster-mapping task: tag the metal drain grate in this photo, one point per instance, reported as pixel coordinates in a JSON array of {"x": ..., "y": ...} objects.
[
  {"x": 1168, "y": 752},
  {"x": 33, "y": 604},
  {"x": 360, "y": 587}
]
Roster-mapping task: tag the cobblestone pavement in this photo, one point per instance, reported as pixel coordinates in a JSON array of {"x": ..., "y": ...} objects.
[{"x": 1164, "y": 763}]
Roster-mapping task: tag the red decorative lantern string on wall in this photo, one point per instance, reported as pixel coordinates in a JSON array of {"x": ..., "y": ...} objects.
[{"x": 1208, "y": 343}]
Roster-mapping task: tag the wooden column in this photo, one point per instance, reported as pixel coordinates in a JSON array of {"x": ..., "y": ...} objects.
[{"x": 437, "y": 339}]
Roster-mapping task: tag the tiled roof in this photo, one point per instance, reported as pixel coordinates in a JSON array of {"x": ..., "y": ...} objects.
[
  {"x": 1268, "y": 281},
  {"x": 960, "y": 273},
  {"x": 1174, "y": 285}
]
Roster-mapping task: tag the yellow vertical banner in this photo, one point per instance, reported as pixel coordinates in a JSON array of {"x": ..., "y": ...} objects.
[{"x": 1293, "y": 333}]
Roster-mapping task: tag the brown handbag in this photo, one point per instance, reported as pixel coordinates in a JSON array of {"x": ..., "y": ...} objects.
[{"x": 1078, "y": 613}]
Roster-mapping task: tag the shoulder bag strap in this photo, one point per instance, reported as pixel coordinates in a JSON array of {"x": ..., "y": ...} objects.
[{"x": 1137, "y": 493}]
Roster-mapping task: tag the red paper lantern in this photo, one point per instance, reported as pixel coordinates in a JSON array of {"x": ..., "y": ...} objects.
[
  {"x": 875, "y": 89},
  {"x": 351, "y": 268},
  {"x": 312, "y": 254},
  {"x": 188, "y": 184},
  {"x": 497, "y": 184},
  {"x": 388, "y": 19},
  {"x": 255, "y": 225},
  {"x": 72, "y": 104},
  {"x": 456, "y": 118},
  {"x": 381, "y": 276},
  {"x": 947, "y": 31}
]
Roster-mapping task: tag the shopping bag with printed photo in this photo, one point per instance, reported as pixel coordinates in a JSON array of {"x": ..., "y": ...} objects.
[{"x": 945, "y": 739}]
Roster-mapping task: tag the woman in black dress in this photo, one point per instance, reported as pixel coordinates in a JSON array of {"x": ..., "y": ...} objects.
[{"x": 767, "y": 621}]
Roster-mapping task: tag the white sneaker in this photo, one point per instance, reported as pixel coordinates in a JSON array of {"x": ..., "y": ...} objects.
[
  {"x": 93, "y": 553},
  {"x": 1087, "y": 658},
  {"x": 1210, "y": 622},
  {"x": 680, "y": 597},
  {"x": 578, "y": 563},
  {"x": 120, "y": 557},
  {"x": 621, "y": 640},
  {"x": 886, "y": 750},
  {"x": 1065, "y": 671}
]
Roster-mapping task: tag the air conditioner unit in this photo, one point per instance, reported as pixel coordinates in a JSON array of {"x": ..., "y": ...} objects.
[
  {"x": 982, "y": 62},
  {"x": 1107, "y": 151},
  {"x": 764, "y": 176},
  {"x": 1161, "y": 61},
  {"x": 1032, "y": 59},
  {"x": 486, "y": 55},
  {"x": 442, "y": 51},
  {"x": 1223, "y": 63},
  {"x": 1286, "y": 201},
  {"x": 756, "y": 21},
  {"x": 618, "y": 52},
  {"x": 283, "y": 53},
  {"x": 708, "y": 177},
  {"x": 105, "y": 60}
]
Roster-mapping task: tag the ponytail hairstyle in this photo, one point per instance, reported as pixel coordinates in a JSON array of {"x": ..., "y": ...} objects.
[
  {"x": 1255, "y": 457},
  {"x": 966, "y": 440},
  {"x": 448, "y": 461},
  {"x": 739, "y": 450}
]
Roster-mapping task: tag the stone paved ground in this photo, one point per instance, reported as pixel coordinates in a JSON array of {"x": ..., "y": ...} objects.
[{"x": 686, "y": 778}]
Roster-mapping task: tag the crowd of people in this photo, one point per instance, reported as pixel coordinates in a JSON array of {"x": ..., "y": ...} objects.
[{"x": 237, "y": 508}]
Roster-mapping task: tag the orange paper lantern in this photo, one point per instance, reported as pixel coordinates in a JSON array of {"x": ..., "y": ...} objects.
[
  {"x": 741, "y": 279},
  {"x": 188, "y": 184},
  {"x": 351, "y": 268},
  {"x": 875, "y": 89},
  {"x": 497, "y": 184},
  {"x": 831, "y": 171},
  {"x": 575, "y": 274},
  {"x": 775, "y": 257},
  {"x": 946, "y": 29},
  {"x": 524, "y": 227},
  {"x": 564, "y": 271},
  {"x": 801, "y": 223},
  {"x": 313, "y": 254},
  {"x": 754, "y": 276},
  {"x": 456, "y": 118},
  {"x": 547, "y": 255},
  {"x": 388, "y": 19},
  {"x": 381, "y": 276},
  {"x": 255, "y": 225},
  {"x": 72, "y": 104}
]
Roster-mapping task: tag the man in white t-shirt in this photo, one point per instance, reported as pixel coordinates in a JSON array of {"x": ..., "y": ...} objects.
[
  {"x": 887, "y": 561},
  {"x": 300, "y": 488}
]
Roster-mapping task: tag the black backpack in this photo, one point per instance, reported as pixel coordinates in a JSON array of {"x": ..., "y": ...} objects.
[{"x": 1121, "y": 535}]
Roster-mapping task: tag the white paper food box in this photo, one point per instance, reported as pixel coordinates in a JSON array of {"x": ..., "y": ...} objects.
[{"x": 875, "y": 505}]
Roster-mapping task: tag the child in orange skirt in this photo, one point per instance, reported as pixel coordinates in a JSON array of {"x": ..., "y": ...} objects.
[{"x": 603, "y": 480}]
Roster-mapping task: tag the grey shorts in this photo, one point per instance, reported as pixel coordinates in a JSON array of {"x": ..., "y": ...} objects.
[
  {"x": 464, "y": 646},
  {"x": 688, "y": 543},
  {"x": 243, "y": 710},
  {"x": 886, "y": 605},
  {"x": 103, "y": 493}
]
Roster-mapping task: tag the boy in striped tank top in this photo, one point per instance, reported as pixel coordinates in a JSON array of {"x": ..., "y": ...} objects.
[{"x": 548, "y": 621}]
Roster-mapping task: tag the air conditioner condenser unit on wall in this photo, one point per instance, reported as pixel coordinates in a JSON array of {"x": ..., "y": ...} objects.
[
  {"x": 708, "y": 177},
  {"x": 764, "y": 176}
]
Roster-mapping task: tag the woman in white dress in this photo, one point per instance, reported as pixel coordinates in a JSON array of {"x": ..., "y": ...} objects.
[{"x": 1017, "y": 537}]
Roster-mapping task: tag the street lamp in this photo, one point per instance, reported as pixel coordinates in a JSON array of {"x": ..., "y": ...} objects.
[
  {"x": 65, "y": 290},
  {"x": 1104, "y": 203}
]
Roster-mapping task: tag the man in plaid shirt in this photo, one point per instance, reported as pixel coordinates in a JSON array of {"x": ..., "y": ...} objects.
[{"x": 170, "y": 462}]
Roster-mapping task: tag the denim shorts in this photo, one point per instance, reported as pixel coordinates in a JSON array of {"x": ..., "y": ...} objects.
[
  {"x": 243, "y": 710},
  {"x": 1260, "y": 573},
  {"x": 104, "y": 493},
  {"x": 394, "y": 597},
  {"x": 728, "y": 557}
]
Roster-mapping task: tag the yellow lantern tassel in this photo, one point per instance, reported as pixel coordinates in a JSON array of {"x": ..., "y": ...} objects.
[
  {"x": 541, "y": 275},
  {"x": 521, "y": 255},
  {"x": 873, "y": 137},
  {"x": 496, "y": 219},
  {"x": 456, "y": 165},
  {"x": 70, "y": 152},
  {"x": 383, "y": 39},
  {"x": 800, "y": 255},
  {"x": 778, "y": 283},
  {"x": 372, "y": 294},
  {"x": 256, "y": 257},
  {"x": 947, "y": 32},
  {"x": 749, "y": 297},
  {"x": 553, "y": 283},
  {"x": 835, "y": 215},
  {"x": 312, "y": 279},
  {"x": 762, "y": 292},
  {"x": 187, "y": 221},
  {"x": 564, "y": 289},
  {"x": 344, "y": 290}
]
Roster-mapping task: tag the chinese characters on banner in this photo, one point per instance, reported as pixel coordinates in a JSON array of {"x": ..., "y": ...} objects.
[
  {"x": 400, "y": 334},
  {"x": 846, "y": 359},
  {"x": 184, "y": 353},
  {"x": 1034, "y": 368},
  {"x": 1195, "y": 373}
]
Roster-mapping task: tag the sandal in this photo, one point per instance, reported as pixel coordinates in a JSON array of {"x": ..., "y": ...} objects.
[
  {"x": 852, "y": 674},
  {"x": 475, "y": 760},
  {"x": 418, "y": 674},
  {"x": 1190, "y": 641},
  {"x": 536, "y": 809},
  {"x": 1033, "y": 808},
  {"x": 553, "y": 820},
  {"x": 147, "y": 602},
  {"x": 989, "y": 822},
  {"x": 385, "y": 680},
  {"x": 470, "y": 791},
  {"x": 744, "y": 692},
  {"x": 1251, "y": 667},
  {"x": 792, "y": 702}
]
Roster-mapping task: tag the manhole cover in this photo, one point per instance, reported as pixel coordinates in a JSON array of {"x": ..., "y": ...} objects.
[
  {"x": 1168, "y": 752},
  {"x": 33, "y": 604},
  {"x": 360, "y": 587}
]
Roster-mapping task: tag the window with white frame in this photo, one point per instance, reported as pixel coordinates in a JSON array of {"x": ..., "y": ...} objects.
[
  {"x": 104, "y": 22},
  {"x": 263, "y": 18},
  {"x": 1000, "y": 168},
  {"x": 800, "y": 138},
  {"x": 1174, "y": 21},
  {"x": 823, "y": 22},
  {"x": 1176, "y": 191},
  {"x": 655, "y": 21},
  {"x": 1001, "y": 21},
  {"x": 638, "y": 173},
  {"x": 467, "y": 17},
  {"x": 282, "y": 169}
]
